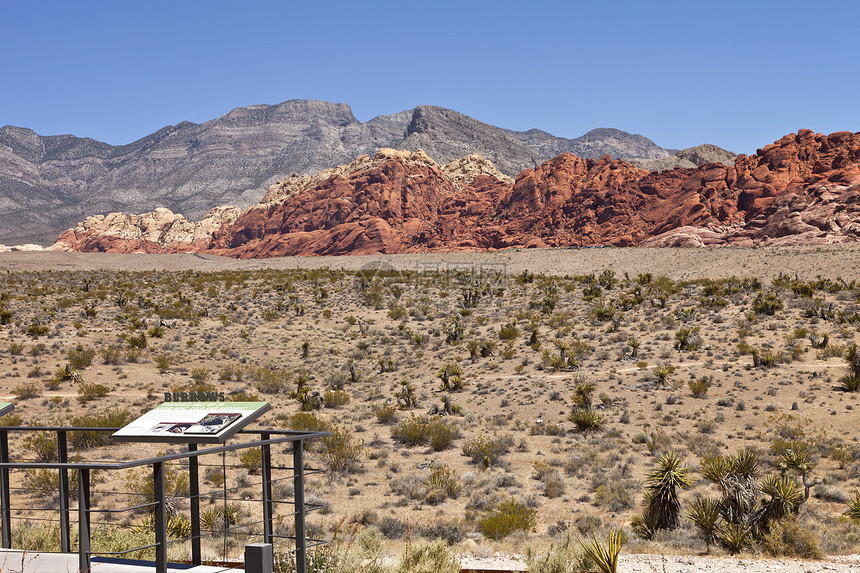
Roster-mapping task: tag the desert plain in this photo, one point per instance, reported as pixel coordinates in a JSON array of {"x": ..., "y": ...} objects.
[{"x": 700, "y": 353}]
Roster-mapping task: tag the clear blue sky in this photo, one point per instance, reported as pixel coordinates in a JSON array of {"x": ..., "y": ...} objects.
[{"x": 736, "y": 74}]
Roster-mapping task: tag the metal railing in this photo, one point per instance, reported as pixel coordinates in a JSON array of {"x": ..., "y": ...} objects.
[{"x": 267, "y": 439}]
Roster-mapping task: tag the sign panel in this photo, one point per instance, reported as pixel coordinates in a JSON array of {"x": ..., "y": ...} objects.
[
  {"x": 192, "y": 422},
  {"x": 6, "y": 407}
]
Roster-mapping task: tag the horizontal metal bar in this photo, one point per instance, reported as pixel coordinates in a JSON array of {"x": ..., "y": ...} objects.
[
  {"x": 122, "y": 552},
  {"x": 165, "y": 458},
  {"x": 120, "y": 510}
]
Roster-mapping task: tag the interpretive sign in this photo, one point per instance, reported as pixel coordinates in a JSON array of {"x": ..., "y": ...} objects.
[
  {"x": 5, "y": 408},
  {"x": 192, "y": 422}
]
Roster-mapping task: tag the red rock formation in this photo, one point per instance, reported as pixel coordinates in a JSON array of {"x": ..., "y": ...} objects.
[{"x": 802, "y": 188}]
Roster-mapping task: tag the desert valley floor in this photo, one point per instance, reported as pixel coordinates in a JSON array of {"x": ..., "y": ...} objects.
[{"x": 701, "y": 352}]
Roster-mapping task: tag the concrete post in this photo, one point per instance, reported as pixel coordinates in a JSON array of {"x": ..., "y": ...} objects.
[{"x": 259, "y": 558}]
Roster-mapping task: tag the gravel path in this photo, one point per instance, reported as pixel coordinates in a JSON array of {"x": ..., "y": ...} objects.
[{"x": 641, "y": 563}]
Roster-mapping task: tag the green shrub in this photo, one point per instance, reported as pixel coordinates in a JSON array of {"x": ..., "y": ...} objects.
[
  {"x": 509, "y": 331},
  {"x": 80, "y": 357},
  {"x": 336, "y": 398},
  {"x": 699, "y": 387},
  {"x": 88, "y": 391},
  {"x": 43, "y": 445},
  {"x": 252, "y": 460},
  {"x": 423, "y": 430},
  {"x": 86, "y": 439},
  {"x": 385, "y": 413},
  {"x": 142, "y": 485},
  {"x": 508, "y": 517},
  {"x": 26, "y": 390},
  {"x": 270, "y": 380},
  {"x": 340, "y": 452},
  {"x": 427, "y": 556},
  {"x": 487, "y": 450}
]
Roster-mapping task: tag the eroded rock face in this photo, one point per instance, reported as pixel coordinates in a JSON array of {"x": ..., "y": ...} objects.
[
  {"x": 801, "y": 189},
  {"x": 159, "y": 231}
]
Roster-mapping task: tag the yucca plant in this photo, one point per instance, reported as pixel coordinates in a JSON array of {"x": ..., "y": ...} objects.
[
  {"x": 853, "y": 510},
  {"x": 705, "y": 515},
  {"x": 662, "y": 505},
  {"x": 586, "y": 420},
  {"x": 784, "y": 495},
  {"x": 734, "y": 537},
  {"x": 604, "y": 556}
]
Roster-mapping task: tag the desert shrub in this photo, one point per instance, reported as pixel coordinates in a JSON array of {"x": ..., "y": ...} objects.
[
  {"x": 767, "y": 304},
  {"x": 336, "y": 398},
  {"x": 270, "y": 380},
  {"x": 614, "y": 496},
  {"x": 340, "y": 452},
  {"x": 442, "y": 434},
  {"x": 89, "y": 391},
  {"x": 200, "y": 375},
  {"x": 427, "y": 556},
  {"x": 86, "y": 439},
  {"x": 788, "y": 537},
  {"x": 422, "y": 430},
  {"x": 510, "y": 516},
  {"x": 434, "y": 487},
  {"x": 45, "y": 537},
  {"x": 509, "y": 331},
  {"x": 450, "y": 532},
  {"x": 43, "y": 445},
  {"x": 162, "y": 361},
  {"x": 699, "y": 387},
  {"x": 304, "y": 422},
  {"x": 81, "y": 357},
  {"x": 112, "y": 355},
  {"x": 385, "y": 413},
  {"x": 46, "y": 483},
  {"x": 392, "y": 528},
  {"x": 142, "y": 485},
  {"x": 242, "y": 396},
  {"x": 26, "y": 390},
  {"x": 252, "y": 460},
  {"x": 488, "y": 450}
]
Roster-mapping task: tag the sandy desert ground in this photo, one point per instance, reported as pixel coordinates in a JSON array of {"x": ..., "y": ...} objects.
[{"x": 258, "y": 326}]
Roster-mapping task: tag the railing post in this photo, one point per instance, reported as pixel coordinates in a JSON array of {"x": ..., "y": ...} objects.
[
  {"x": 63, "y": 457},
  {"x": 5, "y": 501},
  {"x": 84, "y": 519},
  {"x": 259, "y": 558},
  {"x": 299, "y": 493},
  {"x": 267, "y": 489},
  {"x": 194, "y": 486},
  {"x": 160, "y": 518}
]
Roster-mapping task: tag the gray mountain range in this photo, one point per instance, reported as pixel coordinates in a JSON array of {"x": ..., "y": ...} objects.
[{"x": 49, "y": 183}]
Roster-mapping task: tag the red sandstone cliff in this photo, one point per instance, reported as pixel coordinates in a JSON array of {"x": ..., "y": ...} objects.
[{"x": 804, "y": 188}]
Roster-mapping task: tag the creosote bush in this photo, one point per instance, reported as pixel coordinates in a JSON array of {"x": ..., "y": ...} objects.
[{"x": 509, "y": 516}]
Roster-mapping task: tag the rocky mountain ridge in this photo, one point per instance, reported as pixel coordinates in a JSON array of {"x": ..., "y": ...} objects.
[
  {"x": 49, "y": 183},
  {"x": 802, "y": 189}
]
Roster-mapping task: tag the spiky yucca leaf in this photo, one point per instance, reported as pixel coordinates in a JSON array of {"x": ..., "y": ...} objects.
[
  {"x": 705, "y": 515},
  {"x": 605, "y": 557},
  {"x": 662, "y": 503},
  {"x": 784, "y": 494},
  {"x": 734, "y": 536},
  {"x": 853, "y": 510}
]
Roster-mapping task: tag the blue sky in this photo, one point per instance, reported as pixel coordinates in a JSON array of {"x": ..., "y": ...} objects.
[{"x": 736, "y": 74}]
